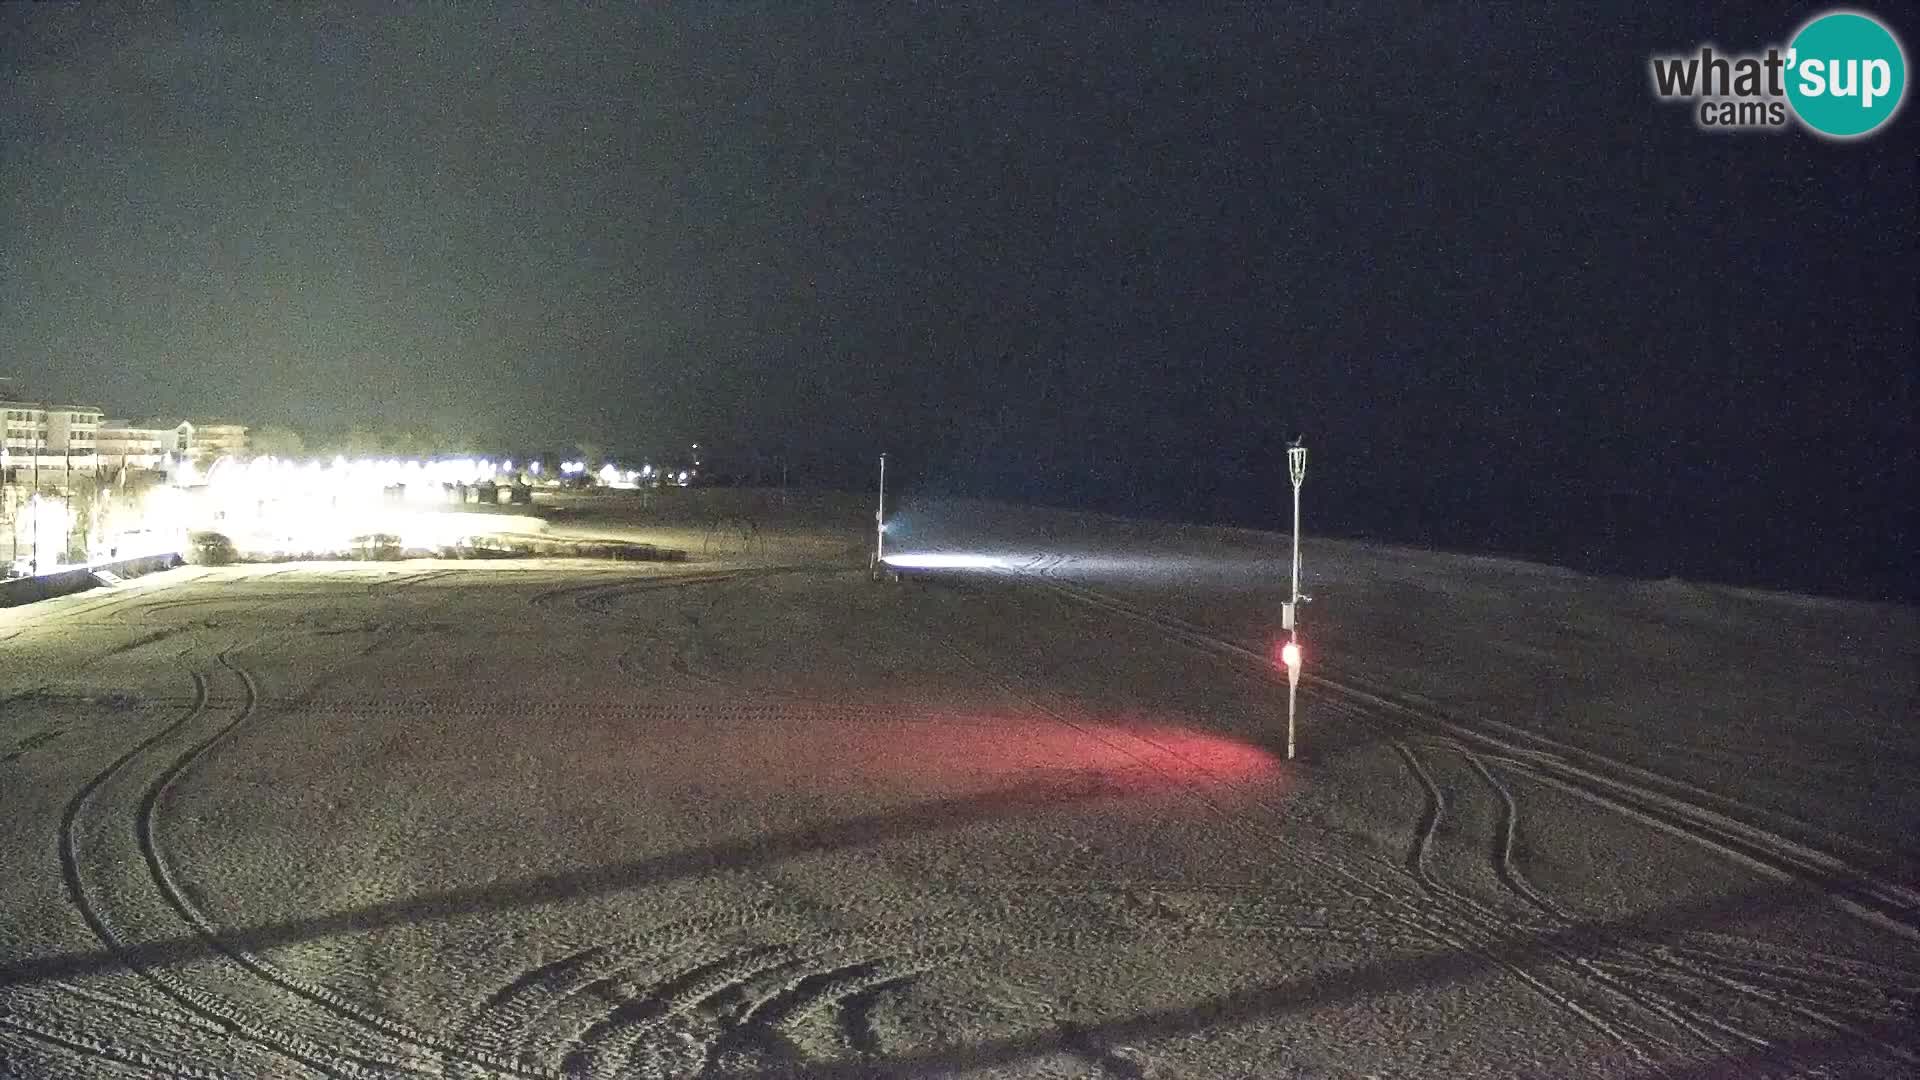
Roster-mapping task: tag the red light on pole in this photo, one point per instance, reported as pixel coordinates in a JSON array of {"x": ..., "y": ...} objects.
[{"x": 1286, "y": 654}]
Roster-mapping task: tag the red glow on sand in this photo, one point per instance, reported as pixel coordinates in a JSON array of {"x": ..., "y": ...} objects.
[
  {"x": 962, "y": 750},
  {"x": 1196, "y": 756},
  {"x": 907, "y": 752}
]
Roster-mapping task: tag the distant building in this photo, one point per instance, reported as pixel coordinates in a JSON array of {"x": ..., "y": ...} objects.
[
  {"x": 124, "y": 446},
  {"x": 218, "y": 439},
  {"x": 73, "y": 430},
  {"x": 199, "y": 442},
  {"x": 59, "y": 437},
  {"x": 70, "y": 438}
]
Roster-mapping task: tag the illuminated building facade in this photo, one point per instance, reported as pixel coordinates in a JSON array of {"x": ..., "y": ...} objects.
[{"x": 49, "y": 437}]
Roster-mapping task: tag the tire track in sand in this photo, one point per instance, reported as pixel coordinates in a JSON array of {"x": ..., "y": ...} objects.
[
  {"x": 1671, "y": 806},
  {"x": 423, "y": 1049},
  {"x": 1410, "y": 917},
  {"x": 94, "y": 914}
]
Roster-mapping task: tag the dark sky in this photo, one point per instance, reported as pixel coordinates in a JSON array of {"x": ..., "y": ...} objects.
[{"x": 1112, "y": 259}]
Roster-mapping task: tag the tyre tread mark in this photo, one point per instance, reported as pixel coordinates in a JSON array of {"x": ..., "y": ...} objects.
[
  {"x": 1429, "y": 823},
  {"x": 204, "y": 1006},
  {"x": 762, "y": 1024},
  {"x": 591, "y": 1052},
  {"x": 856, "y": 1014},
  {"x": 1789, "y": 858},
  {"x": 167, "y": 883},
  {"x": 1413, "y": 921},
  {"x": 85, "y": 1045},
  {"x": 1703, "y": 818},
  {"x": 1505, "y": 866},
  {"x": 511, "y": 1014}
]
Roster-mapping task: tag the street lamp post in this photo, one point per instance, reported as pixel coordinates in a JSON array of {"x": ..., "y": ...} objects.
[
  {"x": 880, "y": 519},
  {"x": 1290, "y": 654}
]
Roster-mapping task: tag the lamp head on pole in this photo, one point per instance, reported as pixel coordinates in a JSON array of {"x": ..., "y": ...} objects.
[{"x": 1297, "y": 463}]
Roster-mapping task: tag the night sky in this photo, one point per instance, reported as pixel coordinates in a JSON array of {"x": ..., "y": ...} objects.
[{"x": 1111, "y": 260}]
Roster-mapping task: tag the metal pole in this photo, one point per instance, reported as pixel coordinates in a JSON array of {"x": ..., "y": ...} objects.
[
  {"x": 1292, "y": 687},
  {"x": 1296, "y": 472},
  {"x": 880, "y": 517},
  {"x": 1296, "y": 547}
]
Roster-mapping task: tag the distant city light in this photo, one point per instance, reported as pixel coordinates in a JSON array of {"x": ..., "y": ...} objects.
[
  {"x": 278, "y": 507},
  {"x": 46, "y": 524}
]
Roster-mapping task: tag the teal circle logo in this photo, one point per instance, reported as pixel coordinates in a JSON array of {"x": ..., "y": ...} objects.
[{"x": 1846, "y": 74}]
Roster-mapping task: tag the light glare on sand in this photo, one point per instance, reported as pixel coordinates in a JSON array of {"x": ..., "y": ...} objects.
[{"x": 937, "y": 561}]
